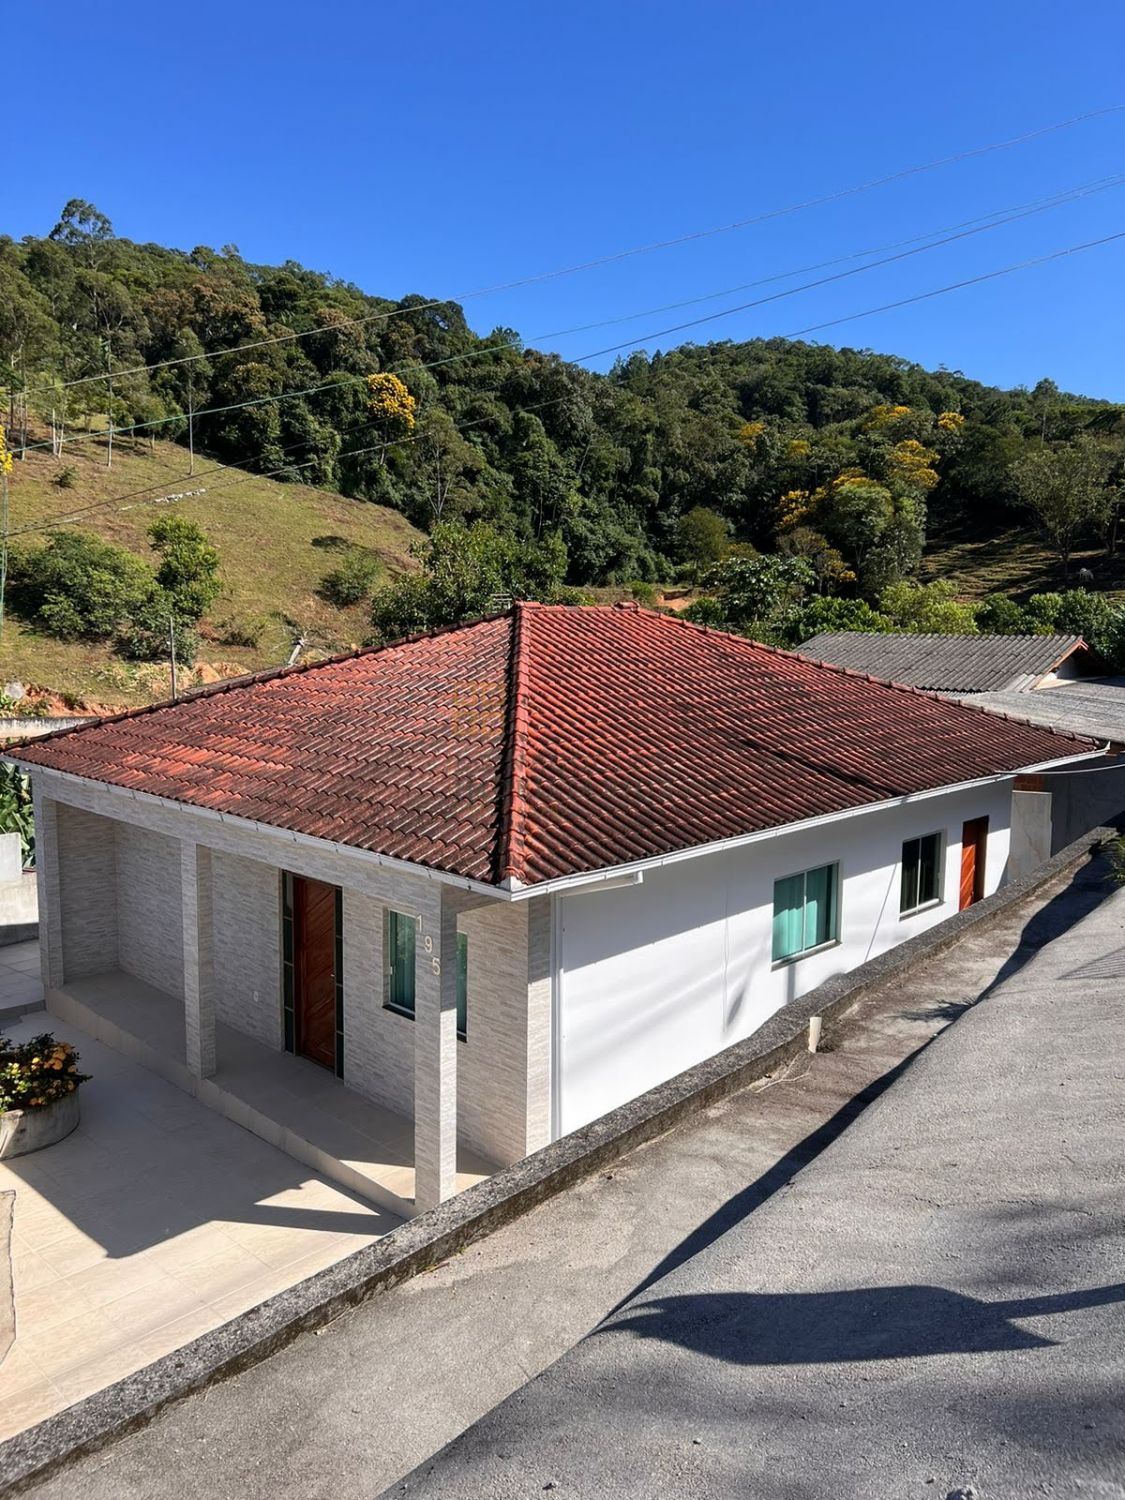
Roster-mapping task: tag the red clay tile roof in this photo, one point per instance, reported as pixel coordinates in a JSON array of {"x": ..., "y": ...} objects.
[{"x": 549, "y": 741}]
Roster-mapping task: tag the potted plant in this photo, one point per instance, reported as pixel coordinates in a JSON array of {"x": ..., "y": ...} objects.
[{"x": 39, "y": 1082}]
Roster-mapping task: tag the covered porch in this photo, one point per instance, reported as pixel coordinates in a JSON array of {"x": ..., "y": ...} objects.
[
  {"x": 171, "y": 937},
  {"x": 286, "y": 1100}
]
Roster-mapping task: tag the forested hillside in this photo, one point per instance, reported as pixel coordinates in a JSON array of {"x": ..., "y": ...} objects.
[{"x": 827, "y": 469}]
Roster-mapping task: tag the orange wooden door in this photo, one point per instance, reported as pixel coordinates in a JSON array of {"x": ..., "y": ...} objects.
[
  {"x": 974, "y": 844},
  {"x": 314, "y": 970}
]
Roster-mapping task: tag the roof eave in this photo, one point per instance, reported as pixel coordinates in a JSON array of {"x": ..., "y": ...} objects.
[
  {"x": 505, "y": 890},
  {"x": 592, "y": 879}
]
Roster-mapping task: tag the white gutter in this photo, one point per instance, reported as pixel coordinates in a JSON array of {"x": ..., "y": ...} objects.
[
  {"x": 630, "y": 873},
  {"x": 567, "y": 883}
]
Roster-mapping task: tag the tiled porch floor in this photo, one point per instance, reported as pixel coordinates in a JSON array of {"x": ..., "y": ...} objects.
[
  {"x": 20, "y": 987},
  {"x": 290, "y": 1102},
  {"x": 155, "y": 1221}
]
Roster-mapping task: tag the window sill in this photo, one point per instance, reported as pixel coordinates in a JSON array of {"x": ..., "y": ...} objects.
[
  {"x": 409, "y": 1015},
  {"x": 914, "y": 911},
  {"x": 795, "y": 958}
]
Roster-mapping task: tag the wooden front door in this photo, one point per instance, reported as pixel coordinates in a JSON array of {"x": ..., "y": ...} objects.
[
  {"x": 314, "y": 969},
  {"x": 974, "y": 844}
]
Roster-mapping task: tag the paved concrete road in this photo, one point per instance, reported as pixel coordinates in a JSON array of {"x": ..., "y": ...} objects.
[
  {"x": 351, "y": 1410},
  {"x": 937, "y": 1302}
]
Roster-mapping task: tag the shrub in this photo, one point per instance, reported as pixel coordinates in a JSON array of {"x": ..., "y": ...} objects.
[
  {"x": 77, "y": 587},
  {"x": 999, "y": 615},
  {"x": 36, "y": 1073},
  {"x": 16, "y": 812},
  {"x": 247, "y": 632},
  {"x": 352, "y": 580},
  {"x": 643, "y": 593},
  {"x": 66, "y": 477}
]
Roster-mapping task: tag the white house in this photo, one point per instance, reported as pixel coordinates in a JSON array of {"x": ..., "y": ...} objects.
[{"x": 414, "y": 912}]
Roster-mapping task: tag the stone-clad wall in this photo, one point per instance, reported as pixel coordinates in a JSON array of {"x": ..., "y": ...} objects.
[
  {"x": 492, "y": 1063},
  {"x": 131, "y": 853},
  {"x": 247, "y": 928},
  {"x": 378, "y": 1043},
  {"x": 87, "y": 892},
  {"x": 150, "y": 933}
]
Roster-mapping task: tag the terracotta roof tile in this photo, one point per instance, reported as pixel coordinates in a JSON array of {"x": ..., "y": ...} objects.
[{"x": 547, "y": 742}]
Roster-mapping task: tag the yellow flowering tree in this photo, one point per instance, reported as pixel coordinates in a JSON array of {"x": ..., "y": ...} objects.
[{"x": 391, "y": 405}]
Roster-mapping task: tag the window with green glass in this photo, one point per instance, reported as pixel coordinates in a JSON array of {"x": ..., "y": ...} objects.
[
  {"x": 805, "y": 911},
  {"x": 462, "y": 986},
  {"x": 921, "y": 872},
  {"x": 400, "y": 962}
]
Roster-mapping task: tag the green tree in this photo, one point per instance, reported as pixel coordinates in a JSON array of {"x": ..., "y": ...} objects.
[
  {"x": 1065, "y": 490},
  {"x": 925, "y": 608},
  {"x": 702, "y": 537},
  {"x": 467, "y": 571},
  {"x": 825, "y": 613},
  {"x": 188, "y": 570},
  {"x": 759, "y": 596}
]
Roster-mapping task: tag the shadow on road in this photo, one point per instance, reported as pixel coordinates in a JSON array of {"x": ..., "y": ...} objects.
[
  {"x": 893, "y": 1322},
  {"x": 1084, "y": 892},
  {"x": 743, "y": 1203}
]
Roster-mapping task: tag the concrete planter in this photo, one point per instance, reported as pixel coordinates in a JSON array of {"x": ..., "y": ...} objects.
[{"x": 24, "y": 1130}]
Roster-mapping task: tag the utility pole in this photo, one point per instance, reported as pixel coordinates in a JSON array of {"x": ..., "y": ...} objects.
[
  {"x": 172, "y": 651},
  {"x": 109, "y": 388},
  {"x": 191, "y": 425},
  {"x": 4, "y": 531}
]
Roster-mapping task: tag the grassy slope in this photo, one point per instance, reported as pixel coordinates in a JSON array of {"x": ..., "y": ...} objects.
[
  {"x": 275, "y": 542},
  {"x": 1013, "y": 562}
]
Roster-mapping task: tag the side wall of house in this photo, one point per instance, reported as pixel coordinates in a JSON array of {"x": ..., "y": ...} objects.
[{"x": 653, "y": 978}]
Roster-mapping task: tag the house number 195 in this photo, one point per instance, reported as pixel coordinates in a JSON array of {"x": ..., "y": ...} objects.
[{"x": 428, "y": 945}]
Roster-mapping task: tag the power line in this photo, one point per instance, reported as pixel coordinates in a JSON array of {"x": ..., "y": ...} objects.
[
  {"x": 812, "y": 328},
  {"x": 956, "y": 286},
  {"x": 700, "y": 234},
  {"x": 997, "y": 220},
  {"x": 143, "y": 495}
]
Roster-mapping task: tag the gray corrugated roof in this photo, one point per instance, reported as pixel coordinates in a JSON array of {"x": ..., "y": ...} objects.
[
  {"x": 946, "y": 663},
  {"x": 1094, "y": 707}
]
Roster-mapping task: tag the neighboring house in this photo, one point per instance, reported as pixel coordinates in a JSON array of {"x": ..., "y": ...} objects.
[
  {"x": 958, "y": 663},
  {"x": 489, "y": 883},
  {"x": 1006, "y": 673},
  {"x": 1094, "y": 794}
]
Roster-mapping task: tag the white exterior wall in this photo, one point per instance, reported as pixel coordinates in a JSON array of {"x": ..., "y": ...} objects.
[{"x": 654, "y": 978}]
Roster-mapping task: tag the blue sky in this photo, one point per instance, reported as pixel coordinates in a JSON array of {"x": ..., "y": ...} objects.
[{"x": 442, "y": 147}]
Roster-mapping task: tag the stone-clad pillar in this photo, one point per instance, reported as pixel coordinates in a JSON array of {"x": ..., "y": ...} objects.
[
  {"x": 199, "y": 959},
  {"x": 48, "y": 889},
  {"x": 435, "y": 1052}
]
